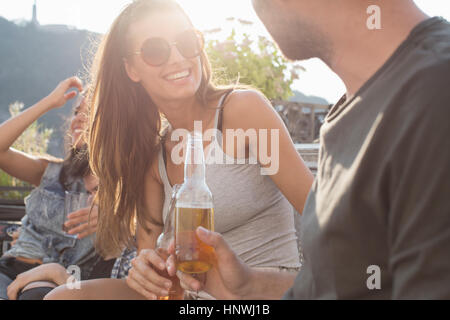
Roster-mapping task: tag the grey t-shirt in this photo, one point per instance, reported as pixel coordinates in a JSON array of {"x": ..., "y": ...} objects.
[{"x": 380, "y": 206}]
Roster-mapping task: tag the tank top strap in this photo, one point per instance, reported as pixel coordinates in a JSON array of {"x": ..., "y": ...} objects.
[
  {"x": 51, "y": 173},
  {"x": 219, "y": 111},
  {"x": 162, "y": 167}
]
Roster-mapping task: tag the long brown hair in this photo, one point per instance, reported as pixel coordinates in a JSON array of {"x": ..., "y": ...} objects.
[{"x": 125, "y": 131}]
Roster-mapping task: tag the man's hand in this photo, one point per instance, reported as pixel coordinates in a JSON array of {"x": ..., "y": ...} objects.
[
  {"x": 229, "y": 278},
  {"x": 82, "y": 222}
]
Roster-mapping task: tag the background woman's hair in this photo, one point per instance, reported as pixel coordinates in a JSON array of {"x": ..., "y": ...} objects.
[
  {"x": 75, "y": 165},
  {"x": 125, "y": 131},
  {"x": 76, "y": 161}
]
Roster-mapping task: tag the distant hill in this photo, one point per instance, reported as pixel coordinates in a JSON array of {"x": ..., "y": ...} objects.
[
  {"x": 300, "y": 97},
  {"x": 33, "y": 59}
]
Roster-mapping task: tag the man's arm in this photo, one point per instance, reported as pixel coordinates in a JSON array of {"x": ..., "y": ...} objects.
[
  {"x": 269, "y": 285},
  {"x": 419, "y": 216}
]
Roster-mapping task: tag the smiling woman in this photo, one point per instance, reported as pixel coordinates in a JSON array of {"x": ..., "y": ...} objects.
[{"x": 152, "y": 73}]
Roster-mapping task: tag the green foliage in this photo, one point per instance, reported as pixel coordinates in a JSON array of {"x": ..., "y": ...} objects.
[
  {"x": 258, "y": 63},
  {"x": 34, "y": 140}
]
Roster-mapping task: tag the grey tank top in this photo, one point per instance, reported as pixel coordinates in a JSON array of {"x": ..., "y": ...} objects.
[{"x": 251, "y": 213}]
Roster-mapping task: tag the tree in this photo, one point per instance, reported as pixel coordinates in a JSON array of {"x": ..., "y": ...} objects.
[{"x": 258, "y": 63}]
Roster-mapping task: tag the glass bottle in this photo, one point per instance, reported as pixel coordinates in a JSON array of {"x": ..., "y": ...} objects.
[
  {"x": 165, "y": 240},
  {"x": 194, "y": 208}
]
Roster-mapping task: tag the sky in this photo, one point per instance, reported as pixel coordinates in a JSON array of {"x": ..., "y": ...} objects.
[{"x": 97, "y": 15}]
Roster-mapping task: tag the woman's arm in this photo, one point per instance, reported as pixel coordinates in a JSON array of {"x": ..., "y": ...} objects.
[
  {"x": 276, "y": 153},
  {"x": 154, "y": 202},
  {"x": 51, "y": 272},
  {"x": 144, "y": 276},
  {"x": 21, "y": 165}
]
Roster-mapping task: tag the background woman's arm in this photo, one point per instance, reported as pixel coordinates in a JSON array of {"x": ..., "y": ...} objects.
[{"x": 19, "y": 164}]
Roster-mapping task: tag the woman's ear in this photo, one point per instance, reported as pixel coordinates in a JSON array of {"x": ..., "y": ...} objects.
[{"x": 131, "y": 72}]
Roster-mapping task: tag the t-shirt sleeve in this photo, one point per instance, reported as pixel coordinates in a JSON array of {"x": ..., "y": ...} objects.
[{"x": 419, "y": 215}]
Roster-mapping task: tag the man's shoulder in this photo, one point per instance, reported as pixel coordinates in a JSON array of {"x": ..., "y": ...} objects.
[
  {"x": 426, "y": 85},
  {"x": 432, "y": 55}
]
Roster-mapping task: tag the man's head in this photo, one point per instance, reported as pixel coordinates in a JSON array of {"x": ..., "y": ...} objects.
[
  {"x": 306, "y": 29},
  {"x": 298, "y": 26}
]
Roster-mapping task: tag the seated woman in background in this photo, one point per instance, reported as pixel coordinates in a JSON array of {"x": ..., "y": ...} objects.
[
  {"x": 153, "y": 63},
  {"x": 42, "y": 239},
  {"x": 34, "y": 284}
]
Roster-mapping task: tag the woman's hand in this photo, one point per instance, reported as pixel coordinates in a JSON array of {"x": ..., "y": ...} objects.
[
  {"x": 143, "y": 277},
  {"x": 52, "y": 272},
  {"x": 58, "y": 97},
  {"x": 82, "y": 222},
  {"x": 15, "y": 236}
]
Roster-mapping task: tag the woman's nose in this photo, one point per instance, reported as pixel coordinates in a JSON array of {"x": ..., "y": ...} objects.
[{"x": 175, "y": 55}]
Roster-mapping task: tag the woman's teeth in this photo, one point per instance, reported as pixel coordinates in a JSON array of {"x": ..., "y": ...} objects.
[{"x": 178, "y": 75}]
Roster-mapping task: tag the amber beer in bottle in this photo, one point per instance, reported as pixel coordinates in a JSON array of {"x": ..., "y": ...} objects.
[
  {"x": 165, "y": 239},
  {"x": 194, "y": 208}
]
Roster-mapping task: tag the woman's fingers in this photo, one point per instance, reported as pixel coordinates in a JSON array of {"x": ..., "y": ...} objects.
[
  {"x": 133, "y": 284},
  {"x": 70, "y": 95},
  {"x": 82, "y": 222},
  {"x": 14, "y": 288},
  {"x": 77, "y": 217},
  {"x": 59, "y": 96},
  {"x": 142, "y": 266},
  {"x": 143, "y": 278},
  {"x": 84, "y": 229},
  {"x": 79, "y": 213},
  {"x": 73, "y": 82},
  {"x": 145, "y": 285},
  {"x": 12, "y": 291},
  {"x": 87, "y": 232}
]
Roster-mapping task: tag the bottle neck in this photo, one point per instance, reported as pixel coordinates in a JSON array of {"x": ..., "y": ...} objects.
[{"x": 194, "y": 164}]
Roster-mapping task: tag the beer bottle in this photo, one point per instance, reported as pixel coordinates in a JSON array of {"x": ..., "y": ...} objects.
[
  {"x": 163, "y": 243},
  {"x": 194, "y": 208}
]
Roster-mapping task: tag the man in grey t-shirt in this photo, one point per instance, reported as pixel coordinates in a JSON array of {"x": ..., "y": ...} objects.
[{"x": 377, "y": 221}]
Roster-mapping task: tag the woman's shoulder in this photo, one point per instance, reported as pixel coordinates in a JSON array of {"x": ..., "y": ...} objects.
[
  {"x": 245, "y": 107},
  {"x": 245, "y": 99},
  {"x": 52, "y": 166}
]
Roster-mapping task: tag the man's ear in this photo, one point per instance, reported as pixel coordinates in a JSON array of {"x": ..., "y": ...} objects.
[{"x": 131, "y": 72}]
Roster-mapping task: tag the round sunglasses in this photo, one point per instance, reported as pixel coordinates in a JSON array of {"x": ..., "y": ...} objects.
[{"x": 156, "y": 51}]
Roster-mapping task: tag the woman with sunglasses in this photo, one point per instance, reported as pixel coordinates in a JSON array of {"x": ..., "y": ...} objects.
[
  {"x": 42, "y": 239},
  {"x": 152, "y": 67}
]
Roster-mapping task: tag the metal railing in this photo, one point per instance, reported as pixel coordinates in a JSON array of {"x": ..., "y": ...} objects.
[{"x": 303, "y": 120}]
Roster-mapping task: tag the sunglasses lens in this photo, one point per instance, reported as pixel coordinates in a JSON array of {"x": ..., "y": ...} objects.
[
  {"x": 155, "y": 51},
  {"x": 189, "y": 44}
]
